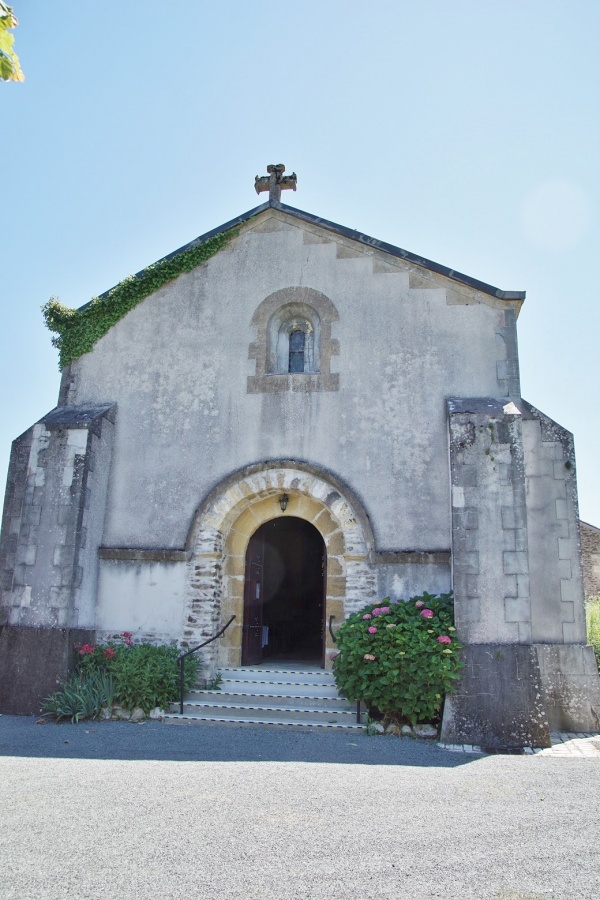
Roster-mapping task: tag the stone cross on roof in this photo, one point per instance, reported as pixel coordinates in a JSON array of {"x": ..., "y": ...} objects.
[{"x": 275, "y": 182}]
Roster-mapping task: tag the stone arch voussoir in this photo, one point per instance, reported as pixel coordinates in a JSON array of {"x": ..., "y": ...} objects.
[{"x": 222, "y": 528}]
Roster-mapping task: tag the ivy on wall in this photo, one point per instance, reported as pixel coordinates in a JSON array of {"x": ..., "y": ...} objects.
[{"x": 77, "y": 330}]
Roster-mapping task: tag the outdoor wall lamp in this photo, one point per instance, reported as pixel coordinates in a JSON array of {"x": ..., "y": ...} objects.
[{"x": 283, "y": 502}]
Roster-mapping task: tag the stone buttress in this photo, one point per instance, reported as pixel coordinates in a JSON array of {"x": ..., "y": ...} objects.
[
  {"x": 51, "y": 529},
  {"x": 517, "y": 579}
]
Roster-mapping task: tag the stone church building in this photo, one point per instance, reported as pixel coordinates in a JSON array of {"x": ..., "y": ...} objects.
[{"x": 307, "y": 421}]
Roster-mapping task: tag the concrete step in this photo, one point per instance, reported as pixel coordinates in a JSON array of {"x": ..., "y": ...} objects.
[
  {"x": 316, "y": 691},
  {"x": 283, "y": 696},
  {"x": 297, "y": 698},
  {"x": 274, "y": 711},
  {"x": 246, "y": 675},
  {"x": 177, "y": 719}
]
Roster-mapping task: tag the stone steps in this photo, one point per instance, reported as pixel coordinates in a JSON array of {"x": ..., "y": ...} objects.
[{"x": 302, "y": 697}]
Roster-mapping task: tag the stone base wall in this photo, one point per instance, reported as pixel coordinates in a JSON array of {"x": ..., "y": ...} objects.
[
  {"x": 499, "y": 702},
  {"x": 33, "y": 661},
  {"x": 514, "y": 695},
  {"x": 571, "y": 686}
]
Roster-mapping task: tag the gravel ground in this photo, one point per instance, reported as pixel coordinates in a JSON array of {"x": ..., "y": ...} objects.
[{"x": 153, "y": 811}]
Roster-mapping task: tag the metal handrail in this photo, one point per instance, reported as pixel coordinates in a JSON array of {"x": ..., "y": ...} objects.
[
  {"x": 182, "y": 656},
  {"x": 333, "y": 637}
]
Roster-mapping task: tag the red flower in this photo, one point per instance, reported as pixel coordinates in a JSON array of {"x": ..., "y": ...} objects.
[
  {"x": 87, "y": 648},
  {"x": 108, "y": 652}
]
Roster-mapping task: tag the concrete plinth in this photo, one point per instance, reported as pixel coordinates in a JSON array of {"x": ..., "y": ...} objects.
[
  {"x": 33, "y": 661},
  {"x": 499, "y": 703}
]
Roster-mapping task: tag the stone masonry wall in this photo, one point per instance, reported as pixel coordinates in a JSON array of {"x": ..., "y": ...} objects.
[
  {"x": 51, "y": 520},
  {"x": 590, "y": 553},
  {"x": 553, "y": 529},
  {"x": 17, "y": 529},
  {"x": 489, "y": 522}
]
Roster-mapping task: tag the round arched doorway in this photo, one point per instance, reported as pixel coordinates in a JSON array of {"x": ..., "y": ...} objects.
[{"x": 284, "y": 593}]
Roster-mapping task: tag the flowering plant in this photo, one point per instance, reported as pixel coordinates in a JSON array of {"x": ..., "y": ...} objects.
[
  {"x": 403, "y": 668},
  {"x": 136, "y": 675}
]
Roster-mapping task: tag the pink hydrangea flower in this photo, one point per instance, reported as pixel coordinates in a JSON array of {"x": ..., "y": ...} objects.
[
  {"x": 427, "y": 613},
  {"x": 444, "y": 639},
  {"x": 372, "y": 630},
  {"x": 368, "y": 616},
  {"x": 370, "y": 657},
  {"x": 383, "y": 610},
  {"x": 419, "y": 604}
]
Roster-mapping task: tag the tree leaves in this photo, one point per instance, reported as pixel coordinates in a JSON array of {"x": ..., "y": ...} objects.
[{"x": 10, "y": 69}]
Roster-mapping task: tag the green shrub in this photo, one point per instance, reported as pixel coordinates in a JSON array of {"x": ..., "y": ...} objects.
[
  {"x": 592, "y": 620},
  {"x": 400, "y": 658},
  {"x": 138, "y": 676},
  {"x": 147, "y": 676},
  {"x": 82, "y": 696}
]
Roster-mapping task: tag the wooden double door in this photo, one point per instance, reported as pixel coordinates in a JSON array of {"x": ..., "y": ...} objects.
[{"x": 284, "y": 594}]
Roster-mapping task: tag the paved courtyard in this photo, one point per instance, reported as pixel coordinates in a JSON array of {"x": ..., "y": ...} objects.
[{"x": 149, "y": 811}]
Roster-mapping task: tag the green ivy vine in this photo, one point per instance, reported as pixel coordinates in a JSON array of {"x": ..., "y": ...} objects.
[{"x": 77, "y": 330}]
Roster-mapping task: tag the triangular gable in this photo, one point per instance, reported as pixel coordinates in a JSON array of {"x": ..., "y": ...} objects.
[
  {"x": 79, "y": 329},
  {"x": 349, "y": 234}
]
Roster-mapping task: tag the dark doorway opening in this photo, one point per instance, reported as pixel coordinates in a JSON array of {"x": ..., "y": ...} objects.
[{"x": 284, "y": 593}]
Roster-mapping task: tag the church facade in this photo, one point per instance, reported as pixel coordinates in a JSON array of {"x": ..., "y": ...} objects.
[{"x": 308, "y": 421}]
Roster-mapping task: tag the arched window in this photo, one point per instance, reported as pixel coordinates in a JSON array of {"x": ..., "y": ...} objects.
[
  {"x": 296, "y": 354},
  {"x": 295, "y": 342},
  {"x": 293, "y": 345}
]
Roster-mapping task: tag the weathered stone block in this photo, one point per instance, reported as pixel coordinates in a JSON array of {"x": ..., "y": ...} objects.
[
  {"x": 470, "y": 518},
  {"x": 517, "y": 609},
  {"x": 507, "y": 516},
  {"x": 32, "y": 515},
  {"x": 565, "y": 569},
  {"x": 465, "y": 475},
  {"x": 472, "y": 585},
  {"x": 562, "y": 509},
  {"x": 515, "y": 563},
  {"x": 498, "y": 701},
  {"x": 32, "y": 661},
  {"x": 571, "y": 686},
  {"x": 468, "y": 563},
  {"x": 570, "y": 591},
  {"x": 469, "y": 611}
]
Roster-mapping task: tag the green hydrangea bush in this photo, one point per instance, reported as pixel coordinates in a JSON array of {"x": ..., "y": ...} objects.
[{"x": 400, "y": 658}]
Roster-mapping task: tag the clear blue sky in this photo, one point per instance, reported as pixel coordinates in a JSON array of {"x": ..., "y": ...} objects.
[{"x": 467, "y": 132}]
